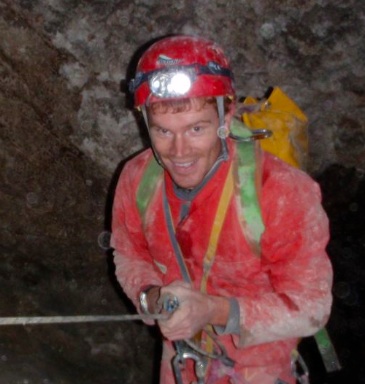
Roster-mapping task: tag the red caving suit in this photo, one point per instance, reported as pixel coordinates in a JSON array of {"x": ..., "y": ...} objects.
[{"x": 283, "y": 295}]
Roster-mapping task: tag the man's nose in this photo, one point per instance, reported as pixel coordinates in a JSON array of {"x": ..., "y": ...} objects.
[{"x": 179, "y": 146}]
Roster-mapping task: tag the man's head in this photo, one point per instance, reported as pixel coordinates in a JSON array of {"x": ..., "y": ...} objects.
[
  {"x": 184, "y": 88},
  {"x": 181, "y": 67}
]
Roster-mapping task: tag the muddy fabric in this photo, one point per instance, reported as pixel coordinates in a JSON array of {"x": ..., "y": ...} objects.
[{"x": 283, "y": 295}]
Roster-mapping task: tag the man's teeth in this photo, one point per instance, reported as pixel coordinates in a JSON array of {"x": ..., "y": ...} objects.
[{"x": 185, "y": 165}]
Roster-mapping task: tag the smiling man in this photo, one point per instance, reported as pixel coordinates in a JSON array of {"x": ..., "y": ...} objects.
[
  {"x": 186, "y": 141},
  {"x": 246, "y": 270}
]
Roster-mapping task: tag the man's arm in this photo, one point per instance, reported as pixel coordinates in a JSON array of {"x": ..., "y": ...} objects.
[
  {"x": 294, "y": 259},
  {"x": 134, "y": 266}
]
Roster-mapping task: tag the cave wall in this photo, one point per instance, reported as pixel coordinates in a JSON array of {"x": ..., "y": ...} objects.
[
  {"x": 65, "y": 129},
  {"x": 312, "y": 49}
]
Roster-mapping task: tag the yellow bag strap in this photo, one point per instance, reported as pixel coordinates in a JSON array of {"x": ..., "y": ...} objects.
[{"x": 208, "y": 261}]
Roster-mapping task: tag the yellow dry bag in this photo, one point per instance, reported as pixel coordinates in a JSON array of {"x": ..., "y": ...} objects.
[{"x": 288, "y": 124}]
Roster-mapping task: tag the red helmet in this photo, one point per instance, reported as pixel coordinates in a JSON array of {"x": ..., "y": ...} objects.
[{"x": 181, "y": 67}]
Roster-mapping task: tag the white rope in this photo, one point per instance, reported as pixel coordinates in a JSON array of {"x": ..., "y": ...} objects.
[{"x": 75, "y": 319}]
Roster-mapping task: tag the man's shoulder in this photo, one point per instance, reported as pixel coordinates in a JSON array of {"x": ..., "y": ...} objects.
[
  {"x": 139, "y": 160},
  {"x": 133, "y": 169},
  {"x": 280, "y": 175},
  {"x": 274, "y": 165}
]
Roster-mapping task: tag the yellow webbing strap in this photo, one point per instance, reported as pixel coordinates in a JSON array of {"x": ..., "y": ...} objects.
[
  {"x": 212, "y": 247},
  {"x": 217, "y": 228}
]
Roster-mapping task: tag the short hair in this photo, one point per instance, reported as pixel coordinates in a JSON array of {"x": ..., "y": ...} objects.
[{"x": 186, "y": 104}]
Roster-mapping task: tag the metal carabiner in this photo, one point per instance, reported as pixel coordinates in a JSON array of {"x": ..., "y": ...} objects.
[
  {"x": 220, "y": 354},
  {"x": 187, "y": 349},
  {"x": 183, "y": 353},
  {"x": 257, "y": 134},
  {"x": 176, "y": 362},
  {"x": 297, "y": 362}
]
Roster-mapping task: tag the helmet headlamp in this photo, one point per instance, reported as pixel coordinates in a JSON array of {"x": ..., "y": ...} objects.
[
  {"x": 176, "y": 81},
  {"x": 168, "y": 84}
]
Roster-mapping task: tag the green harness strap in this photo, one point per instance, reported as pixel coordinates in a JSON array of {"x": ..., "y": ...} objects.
[
  {"x": 249, "y": 177},
  {"x": 249, "y": 182},
  {"x": 248, "y": 172},
  {"x": 147, "y": 186}
]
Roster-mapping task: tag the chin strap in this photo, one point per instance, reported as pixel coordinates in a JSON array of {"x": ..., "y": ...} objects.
[{"x": 222, "y": 131}]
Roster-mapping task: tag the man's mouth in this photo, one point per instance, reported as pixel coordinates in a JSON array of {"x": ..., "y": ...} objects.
[{"x": 183, "y": 166}]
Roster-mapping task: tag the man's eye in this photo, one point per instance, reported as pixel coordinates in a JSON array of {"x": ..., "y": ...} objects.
[
  {"x": 162, "y": 131},
  {"x": 197, "y": 129}
]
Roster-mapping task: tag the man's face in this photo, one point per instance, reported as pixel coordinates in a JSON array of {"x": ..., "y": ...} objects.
[{"x": 186, "y": 142}]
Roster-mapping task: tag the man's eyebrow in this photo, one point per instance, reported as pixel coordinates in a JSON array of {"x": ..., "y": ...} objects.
[
  {"x": 192, "y": 124},
  {"x": 200, "y": 122}
]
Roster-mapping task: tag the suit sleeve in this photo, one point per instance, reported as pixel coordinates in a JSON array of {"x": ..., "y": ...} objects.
[
  {"x": 294, "y": 259},
  {"x": 134, "y": 266}
]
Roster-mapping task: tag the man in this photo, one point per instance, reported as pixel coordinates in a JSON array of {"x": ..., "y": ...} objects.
[{"x": 181, "y": 228}]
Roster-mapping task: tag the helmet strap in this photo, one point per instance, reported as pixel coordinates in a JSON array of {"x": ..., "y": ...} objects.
[
  {"x": 222, "y": 130},
  {"x": 144, "y": 114}
]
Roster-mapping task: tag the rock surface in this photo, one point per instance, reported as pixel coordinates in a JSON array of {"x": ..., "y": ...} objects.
[{"x": 65, "y": 129}]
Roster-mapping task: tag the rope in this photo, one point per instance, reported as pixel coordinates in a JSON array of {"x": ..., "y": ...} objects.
[{"x": 32, "y": 320}]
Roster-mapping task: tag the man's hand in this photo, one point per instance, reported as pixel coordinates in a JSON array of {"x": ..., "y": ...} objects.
[{"x": 195, "y": 311}]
